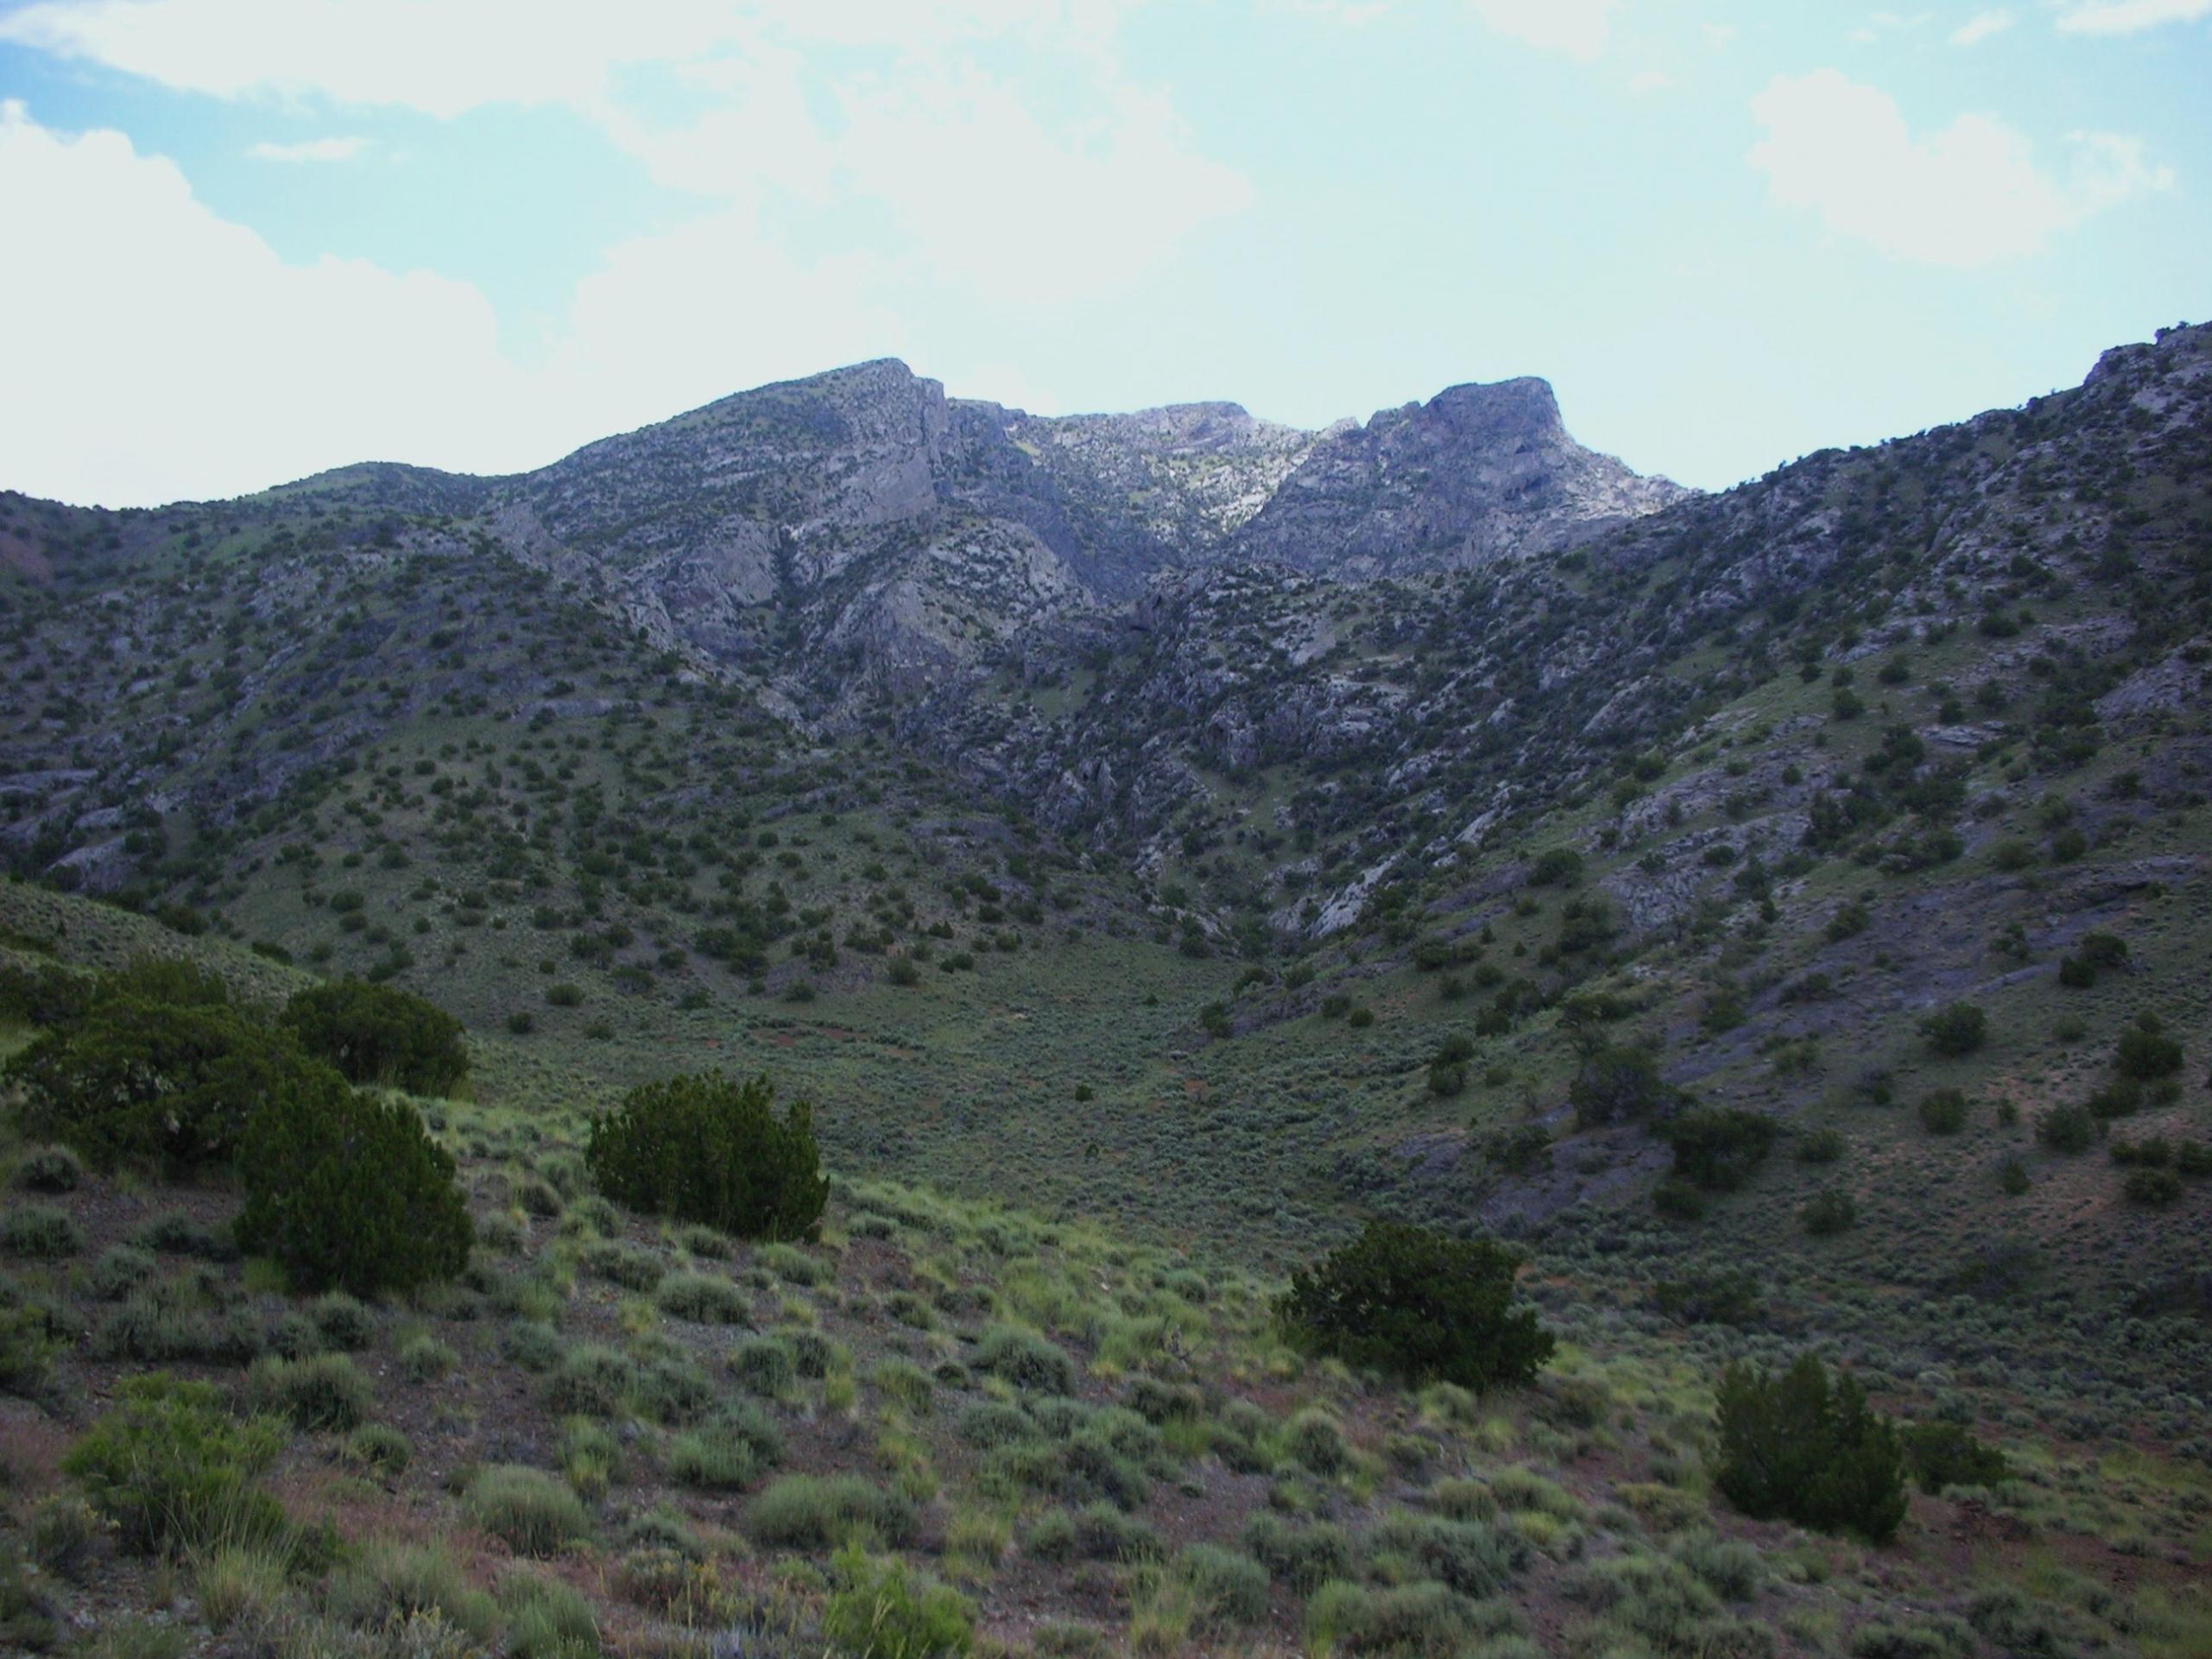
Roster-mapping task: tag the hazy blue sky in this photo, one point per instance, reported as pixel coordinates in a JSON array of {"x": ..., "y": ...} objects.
[{"x": 246, "y": 239}]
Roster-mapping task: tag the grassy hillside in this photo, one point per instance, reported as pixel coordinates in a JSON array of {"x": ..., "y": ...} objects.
[{"x": 620, "y": 1434}]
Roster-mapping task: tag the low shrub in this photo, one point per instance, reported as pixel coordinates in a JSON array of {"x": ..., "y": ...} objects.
[
  {"x": 49, "y": 1169},
  {"x": 1302, "y": 1555},
  {"x": 527, "y": 1510},
  {"x": 1800, "y": 1446},
  {"x": 704, "y": 1149},
  {"x": 323, "y": 1391},
  {"x": 826, "y": 1512},
  {"x": 1025, "y": 1360},
  {"x": 764, "y": 1365},
  {"x": 348, "y": 1192},
  {"x": 2152, "y": 1186},
  {"x": 1419, "y": 1304},
  {"x": 2067, "y": 1128},
  {"x": 1956, "y": 1029},
  {"x": 879, "y": 1611},
  {"x": 379, "y": 1034},
  {"x": 1828, "y": 1212},
  {"x": 40, "y": 1232},
  {"x": 1944, "y": 1454},
  {"x": 1943, "y": 1111},
  {"x": 173, "y": 1471},
  {"x": 702, "y": 1299},
  {"x": 2145, "y": 1055},
  {"x": 728, "y": 1454},
  {"x": 1618, "y": 1084},
  {"x": 155, "y": 1084},
  {"x": 1718, "y": 1146},
  {"x": 1229, "y": 1588},
  {"x": 378, "y": 1449},
  {"x": 546, "y": 1619}
]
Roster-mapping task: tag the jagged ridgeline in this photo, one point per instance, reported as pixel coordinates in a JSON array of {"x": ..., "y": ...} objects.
[{"x": 1778, "y": 912}]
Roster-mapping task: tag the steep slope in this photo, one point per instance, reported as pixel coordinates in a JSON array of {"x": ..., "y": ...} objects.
[{"x": 1476, "y": 473}]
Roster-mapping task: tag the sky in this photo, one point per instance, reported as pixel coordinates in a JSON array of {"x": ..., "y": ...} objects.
[{"x": 244, "y": 240}]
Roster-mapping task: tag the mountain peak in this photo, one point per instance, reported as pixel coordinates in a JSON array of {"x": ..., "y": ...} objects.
[
  {"x": 1526, "y": 406},
  {"x": 1481, "y": 470}
]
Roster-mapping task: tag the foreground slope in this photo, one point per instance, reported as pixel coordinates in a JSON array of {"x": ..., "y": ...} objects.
[{"x": 618, "y": 1434}]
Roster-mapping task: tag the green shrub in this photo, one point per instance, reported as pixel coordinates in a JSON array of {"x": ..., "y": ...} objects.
[
  {"x": 826, "y": 1512},
  {"x": 546, "y": 1619},
  {"x": 1831, "y": 1211},
  {"x": 1468, "y": 1556},
  {"x": 1559, "y": 866},
  {"x": 876, "y": 1611},
  {"x": 45, "y": 995},
  {"x": 2145, "y": 1055},
  {"x": 1229, "y": 1588},
  {"x": 150, "y": 1083},
  {"x": 592, "y": 1379},
  {"x": 2155, "y": 1186},
  {"x": 379, "y": 1034},
  {"x": 342, "y": 1321},
  {"x": 702, "y": 1299},
  {"x": 173, "y": 1471},
  {"x": 424, "y": 1358},
  {"x": 526, "y": 1509},
  {"x": 1419, "y": 1304},
  {"x": 49, "y": 1169},
  {"x": 1943, "y": 1111},
  {"x": 2067, "y": 1128},
  {"x": 1718, "y": 1146},
  {"x": 1801, "y": 1446},
  {"x": 728, "y": 1454},
  {"x": 764, "y": 1365},
  {"x": 1410, "y": 1621},
  {"x": 1955, "y": 1030},
  {"x": 349, "y": 1191},
  {"x": 704, "y": 1149},
  {"x": 323, "y": 1391},
  {"x": 383, "y": 1585},
  {"x": 379, "y": 1449},
  {"x": 1618, "y": 1084},
  {"x": 165, "y": 979},
  {"x": 1304, "y": 1555},
  {"x": 1315, "y": 1441},
  {"x": 31, "y": 1338},
  {"x": 1944, "y": 1454},
  {"x": 1820, "y": 1146},
  {"x": 41, "y": 1233},
  {"x": 1025, "y": 1360}
]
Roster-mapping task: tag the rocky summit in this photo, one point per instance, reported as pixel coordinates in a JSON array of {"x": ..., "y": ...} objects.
[{"x": 1411, "y": 1043}]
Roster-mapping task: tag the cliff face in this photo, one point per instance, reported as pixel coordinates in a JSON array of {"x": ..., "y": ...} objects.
[
  {"x": 892, "y": 534},
  {"x": 1478, "y": 472}
]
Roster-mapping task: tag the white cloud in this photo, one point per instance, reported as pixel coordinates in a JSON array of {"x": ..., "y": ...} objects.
[
  {"x": 1967, "y": 195},
  {"x": 160, "y": 352},
  {"x": 447, "y": 57},
  {"x": 1887, "y": 23},
  {"x": 1066, "y": 183},
  {"x": 155, "y": 346},
  {"x": 1650, "y": 81},
  {"x": 2129, "y": 16},
  {"x": 1345, "y": 14},
  {"x": 1578, "y": 28},
  {"x": 311, "y": 149},
  {"x": 1980, "y": 26},
  {"x": 986, "y": 197}
]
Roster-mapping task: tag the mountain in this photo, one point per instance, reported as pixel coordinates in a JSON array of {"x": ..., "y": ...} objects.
[
  {"x": 864, "y": 524},
  {"x": 1476, "y": 474},
  {"x": 1776, "y": 912}
]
